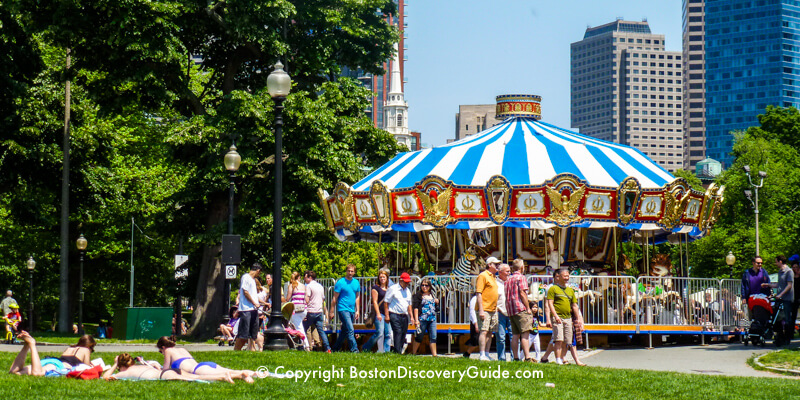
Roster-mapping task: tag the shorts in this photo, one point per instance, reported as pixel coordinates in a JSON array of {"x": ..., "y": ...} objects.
[
  {"x": 563, "y": 332},
  {"x": 248, "y": 325},
  {"x": 489, "y": 323},
  {"x": 521, "y": 323}
]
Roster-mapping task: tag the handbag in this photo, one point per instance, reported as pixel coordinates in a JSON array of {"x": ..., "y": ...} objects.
[{"x": 370, "y": 321}]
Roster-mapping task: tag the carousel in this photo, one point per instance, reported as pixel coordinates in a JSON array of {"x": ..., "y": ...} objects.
[{"x": 522, "y": 189}]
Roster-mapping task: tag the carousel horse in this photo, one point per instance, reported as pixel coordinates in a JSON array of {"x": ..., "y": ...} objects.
[{"x": 458, "y": 282}]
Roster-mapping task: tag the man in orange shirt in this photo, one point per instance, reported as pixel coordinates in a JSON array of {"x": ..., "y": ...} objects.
[{"x": 486, "y": 288}]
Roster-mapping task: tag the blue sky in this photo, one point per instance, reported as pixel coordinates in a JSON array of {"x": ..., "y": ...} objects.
[{"x": 469, "y": 51}]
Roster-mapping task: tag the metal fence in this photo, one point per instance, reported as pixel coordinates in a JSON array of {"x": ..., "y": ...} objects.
[{"x": 613, "y": 303}]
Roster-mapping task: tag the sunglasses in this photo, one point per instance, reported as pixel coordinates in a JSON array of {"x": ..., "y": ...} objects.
[
  {"x": 425, "y": 285},
  {"x": 759, "y": 263}
]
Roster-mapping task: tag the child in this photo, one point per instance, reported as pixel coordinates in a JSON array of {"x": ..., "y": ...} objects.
[
  {"x": 534, "y": 335},
  {"x": 13, "y": 318}
]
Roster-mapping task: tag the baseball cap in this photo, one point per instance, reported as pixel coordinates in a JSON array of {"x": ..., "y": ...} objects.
[
  {"x": 794, "y": 258},
  {"x": 492, "y": 260},
  {"x": 405, "y": 277}
]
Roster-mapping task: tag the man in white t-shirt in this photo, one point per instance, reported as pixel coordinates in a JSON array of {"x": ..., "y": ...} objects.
[
  {"x": 398, "y": 298},
  {"x": 315, "y": 296},
  {"x": 248, "y": 309}
]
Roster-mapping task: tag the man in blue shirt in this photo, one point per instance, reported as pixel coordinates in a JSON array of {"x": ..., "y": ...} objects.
[{"x": 346, "y": 303}]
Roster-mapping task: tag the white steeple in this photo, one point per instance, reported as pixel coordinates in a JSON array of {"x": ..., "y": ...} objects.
[{"x": 395, "y": 107}]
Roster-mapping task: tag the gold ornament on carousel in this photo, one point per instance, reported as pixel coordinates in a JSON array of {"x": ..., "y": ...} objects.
[
  {"x": 563, "y": 208},
  {"x": 437, "y": 208}
]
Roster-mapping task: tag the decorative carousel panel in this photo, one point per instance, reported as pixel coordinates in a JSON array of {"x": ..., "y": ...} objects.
[
  {"x": 435, "y": 194},
  {"x": 326, "y": 210},
  {"x": 518, "y": 105},
  {"x": 469, "y": 203},
  {"x": 693, "y": 207},
  {"x": 565, "y": 195},
  {"x": 628, "y": 196},
  {"x": 498, "y": 190},
  {"x": 344, "y": 203},
  {"x": 676, "y": 198},
  {"x": 336, "y": 213},
  {"x": 528, "y": 203},
  {"x": 599, "y": 204},
  {"x": 650, "y": 206},
  {"x": 380, "y": 203},
  {"x": 406, "y": 206},
  {"x": 365, "y": 214}
]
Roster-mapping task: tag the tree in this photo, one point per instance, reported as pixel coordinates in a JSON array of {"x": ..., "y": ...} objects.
[{"x": 184, "y": 79}]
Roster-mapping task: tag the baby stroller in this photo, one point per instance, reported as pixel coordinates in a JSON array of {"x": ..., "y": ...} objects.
[
  {"x": 296, "y": 336},
  {"x": 763, "y": 321}
]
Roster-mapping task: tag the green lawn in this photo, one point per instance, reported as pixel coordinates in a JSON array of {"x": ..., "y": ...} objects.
[
  {"x": 571, "y": 382},
  {"x": 786, "y": 359}
]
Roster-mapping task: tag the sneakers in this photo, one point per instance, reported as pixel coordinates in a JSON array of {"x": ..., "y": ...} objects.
[
  {"x": 484, "y": 358},
  {"x": 328, "y": 351}
]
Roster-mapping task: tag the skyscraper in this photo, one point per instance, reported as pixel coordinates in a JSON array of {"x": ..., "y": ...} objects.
[
  {"x": 751, "y": 61},
  {"x": 472, "y": 119},
  {"x": 626, "y": 88},
  {"x": 694, "y": 105}
]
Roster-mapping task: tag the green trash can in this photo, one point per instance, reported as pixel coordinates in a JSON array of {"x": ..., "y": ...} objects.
[{"x": 142, "y": 322}]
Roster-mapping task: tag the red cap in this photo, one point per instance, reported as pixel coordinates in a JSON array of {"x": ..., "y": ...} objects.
[{"x": 405, "y": 277}]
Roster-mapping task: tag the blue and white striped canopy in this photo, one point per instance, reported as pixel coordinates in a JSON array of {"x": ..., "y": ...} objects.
[{"x": 526, "y": 152}]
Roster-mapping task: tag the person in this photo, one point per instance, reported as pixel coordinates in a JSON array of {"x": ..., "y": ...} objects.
[
  {"x": 13, "y": 318},
  {"x": 129, "y": 370},
  {"x": 563, "y": 304},
  {"x": 39, "y": 367},
  {"x": 314, "y": 297},
  {"x": 297, "y": 295},
  {"x": 382, "y": 328},
  {"x": 81, "y": 352},
  {"x": 425, "y": 307},
  {"x": 752, "y": 279},
  {"x": 180, "y": 359},
  {"x": 346, "y": 302},
  {"x": 521, "y": 318},
  {"x": 795, "y": 261},
  {"x": 503, "y": 321},
  {"x": 533, "y": 336},
  {"x": 262, "y": 296},
  {"x": 7, "y": 301},
  {"x": 474, "y": 332},
  {"x": 784, "y": 298},
  {"x": 398, "y": 300},
  {"x": 486, "y": 287},
  {"x": 248, "y": 315},
  {"x": 229, "y": 330}
]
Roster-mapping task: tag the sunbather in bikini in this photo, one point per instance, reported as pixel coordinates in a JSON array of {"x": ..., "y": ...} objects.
[
  {"x": 129, "y": 370},
  {"x": 180, "y": 359},
  {"x": 38, "y": 367}
]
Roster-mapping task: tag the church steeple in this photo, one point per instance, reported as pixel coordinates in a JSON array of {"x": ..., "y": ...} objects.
[{"x": 396, "y": 108}]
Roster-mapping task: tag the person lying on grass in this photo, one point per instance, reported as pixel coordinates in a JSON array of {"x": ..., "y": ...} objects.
[
  {"x": 38, "y": 367},
  {"x": 180, "y": 359},
  {"x": 129, "y": 370}
]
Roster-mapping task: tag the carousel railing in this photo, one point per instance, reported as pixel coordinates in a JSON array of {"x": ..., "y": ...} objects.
[{"x": 647, "y": 304}]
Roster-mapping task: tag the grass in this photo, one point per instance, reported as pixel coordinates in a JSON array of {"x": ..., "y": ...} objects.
[
  {"x": 571, "y": 382},
  {"x": 786, "y": 359}
]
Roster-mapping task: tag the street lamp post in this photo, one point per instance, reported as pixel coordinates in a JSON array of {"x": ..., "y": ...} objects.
[
  {"x": 278, "y": 84},
  {"x": 31, "y": 266},
  {"x": 81, "y": 243},
  {"x": 749, "y": 195},
  {"x": 232, "y": 161},
  {"x": 730, "y": 259}
]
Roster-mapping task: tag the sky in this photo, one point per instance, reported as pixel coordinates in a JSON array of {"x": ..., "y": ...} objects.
[{"x": 469, "y": 51}]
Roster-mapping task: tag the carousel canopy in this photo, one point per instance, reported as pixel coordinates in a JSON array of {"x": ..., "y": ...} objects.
[{"x": 521, "y": 173}]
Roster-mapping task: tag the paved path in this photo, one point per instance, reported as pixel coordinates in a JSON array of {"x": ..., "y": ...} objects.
[
  {"x": 716, "y": 359},
  {"x": 113, "y": 348}
]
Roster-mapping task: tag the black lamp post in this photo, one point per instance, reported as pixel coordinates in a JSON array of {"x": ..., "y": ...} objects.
[
  {"x": 81, "y": 243},
  {"x": 749, "y": 194},
  {"x": 278, "y": 84},
  {"x": 31, "y": 266},
  {"x": 232, "y": 162}
]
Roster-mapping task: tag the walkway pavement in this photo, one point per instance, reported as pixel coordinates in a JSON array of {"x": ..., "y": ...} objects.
[{"x": 728, "y": 359}]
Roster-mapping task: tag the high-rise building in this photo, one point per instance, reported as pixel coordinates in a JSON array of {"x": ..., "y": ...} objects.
[
  {"x": 472, "y": 119},
  {"x": 694, "y": 81},
  {"x": 751, "y": 61},
  {"x": 626, "y": 88}
]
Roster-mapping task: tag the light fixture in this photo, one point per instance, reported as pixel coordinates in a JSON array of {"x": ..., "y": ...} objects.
[
  {"x": 232, "y": 159},
  {"x": 730, "y": 259},
  {"x": 31, "y": 264},
  {"x": 278, "y": 82}
]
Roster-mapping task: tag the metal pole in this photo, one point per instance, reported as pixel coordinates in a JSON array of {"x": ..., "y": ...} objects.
[
  {"x": 63, "y": 306},
  {"x": 231, "y": 189},
  {"x": 131, "y": 302},
  {"x": 758, "y": 247},
  {"x": 276, "y": 338},
  {"x": 80, "y": 299},
  {"x": 30, "y": 310}
]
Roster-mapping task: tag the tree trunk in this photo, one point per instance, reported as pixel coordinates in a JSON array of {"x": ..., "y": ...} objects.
[{"x": 209, "y": 307}]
